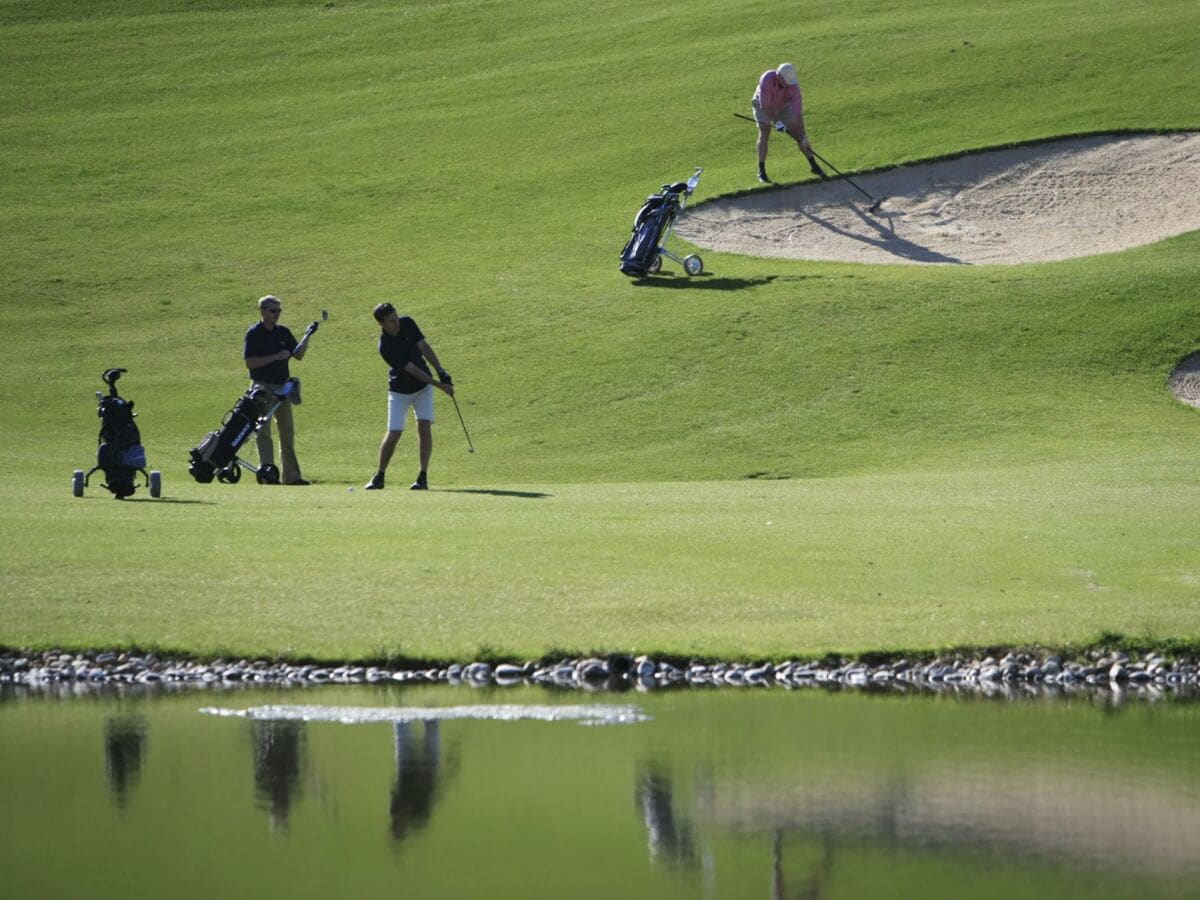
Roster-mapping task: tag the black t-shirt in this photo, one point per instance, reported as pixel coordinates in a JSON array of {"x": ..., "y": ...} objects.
[
  {"x": 263, "y": 342},
  {"x": 401, "y": 350}
]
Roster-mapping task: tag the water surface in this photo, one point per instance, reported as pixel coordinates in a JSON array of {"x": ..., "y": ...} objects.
[{"x": 726, "y": 794}]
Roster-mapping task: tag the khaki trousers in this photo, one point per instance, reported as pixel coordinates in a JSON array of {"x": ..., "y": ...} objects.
[{"x": 289, "y": 468}]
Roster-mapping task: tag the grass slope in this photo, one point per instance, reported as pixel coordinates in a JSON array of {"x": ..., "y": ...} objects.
[{"x": 478, "y": 163}]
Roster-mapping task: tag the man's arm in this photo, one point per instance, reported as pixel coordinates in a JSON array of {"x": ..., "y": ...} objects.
[
  {"x": 257, "y": 362},
  {"x": 418, "y": 373},
  {"x": 797, "y": 130},
  {"x": 301, "y": 348},
  {"x": 427, "y": 352}
]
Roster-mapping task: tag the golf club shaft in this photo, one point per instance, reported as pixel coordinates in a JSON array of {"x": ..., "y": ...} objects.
[
  {"x": 847, "y": 177},
  {"x": 464, "y": 423},
  {"x": 824, "y": 160}
]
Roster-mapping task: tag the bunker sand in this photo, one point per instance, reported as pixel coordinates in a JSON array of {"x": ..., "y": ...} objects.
[
  {"x": 1185, "y": 380},
  {"x": 1037, "y": 203}
]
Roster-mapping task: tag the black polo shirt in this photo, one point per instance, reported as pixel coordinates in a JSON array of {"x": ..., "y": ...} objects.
[
  {"x": 401, "y": 350},
  {"x": 263, "y": 342}
]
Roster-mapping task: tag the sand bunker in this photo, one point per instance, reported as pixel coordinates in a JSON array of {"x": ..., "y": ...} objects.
[
  {"x": 1037, "y": 203},
  {"x": 1185, "y": 380}
]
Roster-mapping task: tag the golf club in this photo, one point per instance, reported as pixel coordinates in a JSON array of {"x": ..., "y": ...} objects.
[
  {"x": 873, "y": 208},
  {"x": 308, "y": 332},
  {"x": 470, "y": 446}
]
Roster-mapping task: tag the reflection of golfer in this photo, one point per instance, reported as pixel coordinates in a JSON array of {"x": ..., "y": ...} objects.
[
  {"x": 124, "y": 751},
  {"x": 669, "y": 841},
  {"x": 278, "y": 764},
  {"x": 410, "y": 384},
  {"x": 778, "y": 99},
  {"x": 415, "y": 789}
]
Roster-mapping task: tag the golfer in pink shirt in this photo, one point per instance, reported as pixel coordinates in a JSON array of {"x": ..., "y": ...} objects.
[{"x": 778, "y": 99}]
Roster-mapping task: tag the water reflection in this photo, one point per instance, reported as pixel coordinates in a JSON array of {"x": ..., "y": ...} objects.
[
  {"x": 669, "y": 835},
  {"x": 1056, "y": 816},
  {"x": 812, "y": 886},
  {"x": 124, "y": 751},
  {"x": 415, "y": 787},
  {"x": 758, "y": 794},
  {"x": 278, "y": 764}
]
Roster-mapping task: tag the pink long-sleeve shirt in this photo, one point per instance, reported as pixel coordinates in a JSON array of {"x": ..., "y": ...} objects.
[{"x": 774, "y": 95}]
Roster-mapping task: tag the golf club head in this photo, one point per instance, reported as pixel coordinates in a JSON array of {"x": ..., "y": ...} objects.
[{"x": 324, "y": 315}]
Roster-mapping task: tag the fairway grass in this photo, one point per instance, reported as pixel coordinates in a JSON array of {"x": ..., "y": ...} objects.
[{"x": 1042, "y": 554}]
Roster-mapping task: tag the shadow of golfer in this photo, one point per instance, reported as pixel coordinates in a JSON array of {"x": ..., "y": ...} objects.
[
  {"x": 527, "y": 495},
  {"x": 888, "y": 241}
]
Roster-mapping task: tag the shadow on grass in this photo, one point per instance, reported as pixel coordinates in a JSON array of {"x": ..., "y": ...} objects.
[
  {"x": 167, "y": 500},
  {"x": 155, "y": 500},
  {"x": 525, "y": 495},
  {"x": 702, "y": 282}
]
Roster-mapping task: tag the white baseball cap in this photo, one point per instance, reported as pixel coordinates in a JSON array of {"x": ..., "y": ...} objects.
[{"x": 788, "y": 73}]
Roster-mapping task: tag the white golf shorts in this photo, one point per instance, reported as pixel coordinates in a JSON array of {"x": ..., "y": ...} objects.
[{"x": 398, "y": 406}]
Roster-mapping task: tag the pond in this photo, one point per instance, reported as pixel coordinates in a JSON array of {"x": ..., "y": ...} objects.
[{"x": 523, "y": 792}]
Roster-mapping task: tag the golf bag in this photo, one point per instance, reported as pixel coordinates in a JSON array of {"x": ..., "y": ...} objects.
[
  {"x": 217, "y": 454},
  {"x": 652, "y": 226},
  {"x": 119, "y": 453}
]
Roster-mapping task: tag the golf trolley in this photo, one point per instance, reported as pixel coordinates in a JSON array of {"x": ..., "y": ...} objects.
[
  {"x": 217, "y": 454},
  {"x": 652, "y": 226},
  {"x": 120, "y": 452}
]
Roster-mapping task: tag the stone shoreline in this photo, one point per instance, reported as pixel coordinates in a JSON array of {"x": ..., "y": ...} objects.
[{"x": 1015, "y": 674}]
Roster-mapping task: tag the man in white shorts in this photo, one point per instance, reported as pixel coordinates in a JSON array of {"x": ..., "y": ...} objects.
[
  {"x": 410, "y": 386},
  {"x": 778, "y": 99}
]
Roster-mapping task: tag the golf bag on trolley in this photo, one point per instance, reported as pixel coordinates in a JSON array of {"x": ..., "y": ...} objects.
[
  {"x": 119, "y": 453},
  {"x": 652, "y": 226},
  {"x": 217, "y": 454}
]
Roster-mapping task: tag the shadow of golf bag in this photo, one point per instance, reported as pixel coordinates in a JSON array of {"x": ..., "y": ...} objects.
[
  {"x": 119, "y": 453},
  {"x": 652, "y": 226},
  {"x": 217, "y": 455}
]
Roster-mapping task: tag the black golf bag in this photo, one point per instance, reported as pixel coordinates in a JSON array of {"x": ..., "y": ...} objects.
[
  {"x": 120, "y": 453},
  {"x": 652, "y": 226},
  {"x": 217, "y": 454}
]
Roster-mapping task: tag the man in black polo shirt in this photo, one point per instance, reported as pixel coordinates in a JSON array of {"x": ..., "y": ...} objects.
[
  {"x": 267, "y": 349},
  {"x": 404, "y": 348}
]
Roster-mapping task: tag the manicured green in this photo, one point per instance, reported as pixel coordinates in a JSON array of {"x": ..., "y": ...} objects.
[{"x": 946, "y": 455}]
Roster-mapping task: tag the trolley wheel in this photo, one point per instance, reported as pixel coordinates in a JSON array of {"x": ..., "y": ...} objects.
[
  {"x": 155, "y": 483},
  {"x": 231, "y": 474},
  {"x": 268, "y": 474},
  {"x": 77, "y": 483},
  {"x": 693, "y": 264},
  {"x": 655, "y": 267}
]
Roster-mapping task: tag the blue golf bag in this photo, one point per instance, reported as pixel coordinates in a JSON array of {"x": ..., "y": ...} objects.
[{"x": 652, "y": 226}]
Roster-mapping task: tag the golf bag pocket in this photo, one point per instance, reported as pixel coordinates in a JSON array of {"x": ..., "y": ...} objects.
[{"x": 134, "y": 457}]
